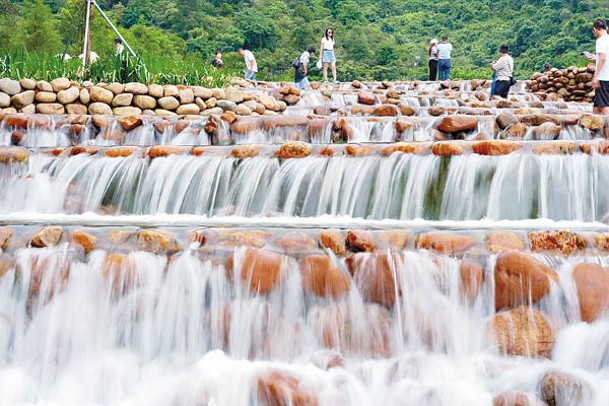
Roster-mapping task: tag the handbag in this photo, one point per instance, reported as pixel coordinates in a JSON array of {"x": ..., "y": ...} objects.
[
  {"x": 512, "y": 80},
  {"x": 297, "y": 64},
  {"x": 319, "y": 64}
]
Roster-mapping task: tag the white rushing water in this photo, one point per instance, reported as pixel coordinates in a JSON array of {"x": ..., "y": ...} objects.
[
  {"x": 144, "y": 329},
  {"x": 403, "y": 186}
]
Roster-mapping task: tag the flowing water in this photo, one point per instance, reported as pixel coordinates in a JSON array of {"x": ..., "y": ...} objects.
[{"x": 231, "y": 316}]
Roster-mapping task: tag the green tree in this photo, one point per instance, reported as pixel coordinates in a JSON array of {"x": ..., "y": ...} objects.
[
  {"x": 35, "y": 30},
  {"x": 258, "y": 30}
]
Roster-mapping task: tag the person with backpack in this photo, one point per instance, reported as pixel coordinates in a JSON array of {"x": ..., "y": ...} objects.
[{"x": 301, "y": 70}]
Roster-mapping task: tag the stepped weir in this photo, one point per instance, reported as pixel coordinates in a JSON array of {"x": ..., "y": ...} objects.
[{"x": 361, "y": 244}]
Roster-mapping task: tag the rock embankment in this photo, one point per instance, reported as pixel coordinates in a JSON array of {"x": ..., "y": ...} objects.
[
  {"x": 62, "y": 96},
  {"x": 572, "y": 84}
]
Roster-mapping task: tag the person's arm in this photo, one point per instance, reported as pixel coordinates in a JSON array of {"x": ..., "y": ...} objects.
[
  {"x": 305, "y": 62},
  {"x": 602, "y": 58},
  {"x": 499, "y": 64}
]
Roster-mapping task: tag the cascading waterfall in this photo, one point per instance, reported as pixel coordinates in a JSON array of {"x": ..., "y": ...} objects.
[
  {"x": 190, "y": 261},
  {"x": 467, "y": 187}
]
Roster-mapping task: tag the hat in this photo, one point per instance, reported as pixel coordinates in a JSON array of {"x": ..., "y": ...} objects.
[{"x": 433, "y": 41}]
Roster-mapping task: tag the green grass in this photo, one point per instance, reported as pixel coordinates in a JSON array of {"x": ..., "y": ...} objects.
[{"x": 189, "y": 70}]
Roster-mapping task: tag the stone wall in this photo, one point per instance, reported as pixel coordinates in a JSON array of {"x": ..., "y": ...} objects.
[
  {"x": 572, "y": 84},
  {"x": 62, "y": 96}
]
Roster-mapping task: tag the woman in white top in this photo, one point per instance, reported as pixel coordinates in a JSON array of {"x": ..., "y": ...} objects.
[{"x": 327, "y": 54}]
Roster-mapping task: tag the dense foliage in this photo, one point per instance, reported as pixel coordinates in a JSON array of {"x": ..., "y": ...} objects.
[{"x": 376, "y": 39}]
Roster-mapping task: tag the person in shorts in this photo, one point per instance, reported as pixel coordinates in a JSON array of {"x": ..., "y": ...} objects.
[
  {"x": 600, "y": 80},
  {"x": 327, "y": 54},
  {"x": 301, "y": 73}
]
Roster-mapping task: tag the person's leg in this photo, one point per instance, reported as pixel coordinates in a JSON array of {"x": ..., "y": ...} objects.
[
  {"x": 325, "y": 71},
  {"x": 442, "y": 69},
  {"x": 448, "y": 66},
  {"x": 333, "y": 64},
  {"x": 502, "y": 87},
  {"x": 433, "y": 70}
]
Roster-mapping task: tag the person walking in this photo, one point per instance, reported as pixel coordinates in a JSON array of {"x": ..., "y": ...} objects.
[
  {"x": 433, "y": 59},
  {"x": 251, "y": 67},
  {"x": 445, "y": 49},
  {"x": 504, "y": 69},
  {"x": 301, "y": 69},
  {"x": 600, "y": 80},
  {"x": 327, "y": 54}
]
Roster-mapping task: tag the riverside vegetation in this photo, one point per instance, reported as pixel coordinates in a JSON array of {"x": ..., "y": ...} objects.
[{"x": 381, "y": 40}]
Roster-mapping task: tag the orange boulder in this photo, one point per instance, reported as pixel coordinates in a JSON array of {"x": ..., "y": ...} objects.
[
  {"x": 323, "y": 278},
  {"x": 521, "y": 279},
  {"x": 523, "y": 331}
]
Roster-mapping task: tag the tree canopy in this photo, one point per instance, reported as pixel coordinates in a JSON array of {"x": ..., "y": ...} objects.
[{"x": 375, "y": 39}]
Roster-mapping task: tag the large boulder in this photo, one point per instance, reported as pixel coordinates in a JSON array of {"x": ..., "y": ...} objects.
[
  {"x": 68, "y": 95},
  {"x": 501, "y": 241},
  {"x": 322, "y": 277},
  {"x": 129, "y": 122},
  {"x": 47, "y": 237},
  {"x": 50, "y": 108},
  {"x": 565, "y": 241},
  {"x": 359, "y": 241},
  {"x": 592, "y": 122},
  {"x": 144, "y": 102},
  {"x": 592, "y": 282},
  {"x": 373, "y": 274},
  {"x": 294, "y": 149},
  {"x": 523, "y": 331},
  {"x": 277, "y": 388},
  {"x": 23, "y": 99},
  {"x": 521, "y": 279},
  {"x": 169, "y": 103},
  {"x": 136, "y": 88},
  {"x": 363, "y": 333},
  {"x": 455, "y": 124},
  {"x": 100, "y": 109},
  {"x": 563, "y": 389},
  {"x": 157, "y": 241},
  {"x": 365, "y": 97},
  {"x": 447, "y": 148},
  {"x": 60, "y": 84},
  {"x": 334, "y": 241},
  {"x": 496, "y": 147},
  {"x": 84, "y": 239},
  {"x": 386, "y": 110},
  {"x": 101, "y": 95},
  {"x": 444, "y": 243},
  {"x": 127, "y": 111},
  {"x": 46, "y": 97},
  {"x": 122, "y": 100},
  {"x": 516, "y": 398},
  {"x": 506, "y": 119},
  {"x": 10, "y": 86},
  {"x": 284, "y": 121},
  {"x": 471, "y": 276},
  {"x": 546, "y": 131},
  {"x": 260, "y": 269}
]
